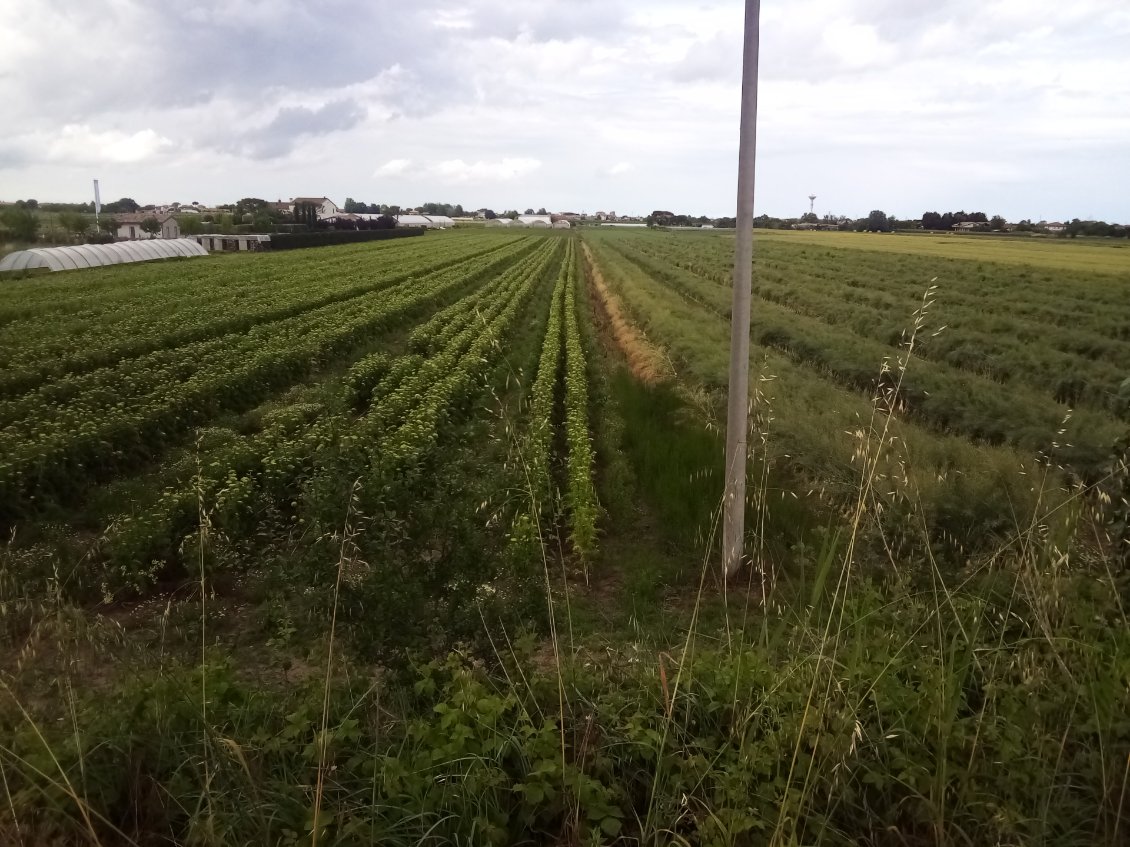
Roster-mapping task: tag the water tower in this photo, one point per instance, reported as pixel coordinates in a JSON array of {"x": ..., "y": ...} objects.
[{"x": 811, "y": 203}]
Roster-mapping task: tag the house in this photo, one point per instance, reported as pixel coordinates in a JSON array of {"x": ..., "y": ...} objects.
[
  {"x": 326, "y": 208},
  {"x": 129, "y": 226},
  {"x": 1055, "y": 226},
  {"x": 968, "y": 226}
]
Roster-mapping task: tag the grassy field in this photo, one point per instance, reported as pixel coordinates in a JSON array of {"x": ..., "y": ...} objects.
[
  {"x": 415, "y": 543},
  {"x": 1101, "y": 256}
]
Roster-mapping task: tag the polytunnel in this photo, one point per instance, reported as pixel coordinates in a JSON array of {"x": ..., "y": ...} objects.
[{"x": 97, "y": 255}]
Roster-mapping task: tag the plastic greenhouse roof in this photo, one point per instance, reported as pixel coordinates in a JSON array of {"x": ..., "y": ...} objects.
[{"x": 97, "y": 255}]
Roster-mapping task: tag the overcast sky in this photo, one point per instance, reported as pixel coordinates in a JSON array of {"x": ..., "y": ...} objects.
[{"x": 1017, "y": 107}]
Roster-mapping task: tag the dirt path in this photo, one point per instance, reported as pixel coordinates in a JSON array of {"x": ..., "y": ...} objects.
[{"x": 647, "y": 362}]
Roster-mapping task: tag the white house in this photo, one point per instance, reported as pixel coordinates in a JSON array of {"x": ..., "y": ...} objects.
[
  {"x": 129, "y": 226},
  {"x": 1055, "y": 226},
  {"x": 326, "y": 207}
]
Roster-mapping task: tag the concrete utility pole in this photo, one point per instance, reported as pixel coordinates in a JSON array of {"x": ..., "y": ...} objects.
[{"x": 733, "y": 525}]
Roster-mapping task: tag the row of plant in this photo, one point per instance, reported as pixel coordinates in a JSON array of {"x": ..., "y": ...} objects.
[
  {"x": 229, "y": 300},
  {"x": 105, "y": 290},
  {"x": 98, "y": 434},
  {"x": 538, "y": 447},
  {"x": 1071, "y": 362},
  {"x": 966, "y": 493},
  {"x": 304, "y": 449},
  {"x": 1035, "y": 292},
  {"x": 581, "y": 499},
  {"x": 935, "y": 393},
  {"x": 996, "y": 322},
  {"x": 997, "y": 312},
  {"x": 70, "y": 402}
]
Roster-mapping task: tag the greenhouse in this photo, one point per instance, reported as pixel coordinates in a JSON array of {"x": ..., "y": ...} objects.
[{"x": 97, "y": 255}]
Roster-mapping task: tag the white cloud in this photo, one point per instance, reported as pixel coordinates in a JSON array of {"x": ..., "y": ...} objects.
[
  {"x": 394, "y": 167},
  {"x": 857, "y": 45},
  {"x": 501, "y": 170},
  {"x": 80, "y": 143}
]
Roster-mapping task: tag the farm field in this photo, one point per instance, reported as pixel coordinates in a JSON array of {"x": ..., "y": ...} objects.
[{"x": 413, "y": 543}]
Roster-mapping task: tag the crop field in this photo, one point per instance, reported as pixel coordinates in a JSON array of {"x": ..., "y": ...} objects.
[
  {"x": 988, "y": 365},
  {"x": 414, "y": 542}
]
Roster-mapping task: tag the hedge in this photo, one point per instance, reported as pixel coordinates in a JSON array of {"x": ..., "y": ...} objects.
[{"x": 295, "y": 240}]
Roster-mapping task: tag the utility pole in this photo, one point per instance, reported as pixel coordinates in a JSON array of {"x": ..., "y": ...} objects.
[{"x": 737, "y": 418}]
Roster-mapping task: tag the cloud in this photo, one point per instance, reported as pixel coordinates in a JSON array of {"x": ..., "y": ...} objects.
[
  {"x": 394, "y": 167},
  {"x": 857, "y": 45},
  {"x": 502, "y": 170},
  {"x": 587, "y": 104},
  {"x": 293, "y": 123},
  {"x": 80, "y": 143}
]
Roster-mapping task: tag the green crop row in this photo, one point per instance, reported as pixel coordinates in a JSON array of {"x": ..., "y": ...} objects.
[
  {"x": 272, "y": 468},
  {"x": 539, "y": 447},
  {"x": 1063, "y": 357},
  {"x": 35, "y": 351},
  {"x": 935, "y": 393},
  {"x": 582, "y": 502},
  {"x": 58, "y": 448},
  {"x": 966, "y": 492}
]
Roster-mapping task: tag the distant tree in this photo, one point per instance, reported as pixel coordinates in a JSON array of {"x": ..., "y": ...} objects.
[
  {"x": 22, "y": 223},
  {"x": 932, "y": 220},
  {"x": 528, "y": 212},
  {"x": 191, "y": 224},
  {"x": 510, "y": 213},
  {"x": 249, "y": 206},
  {"x": 74, "y": 222},
  {"x": 394, "y": 210},
  {"x": 351, "y": 206},
  {"x": 151, "y": 225},
  {"x": 809, "y": 218},
  {"x": 125, "y": 204},
  {"x": 385, "y": 222},
  {"x": 459, "y": 210},
  {"x": 306, "y": 214},
  {"x": 877, "y": 221},
  {"x": 542, "y": 211},
  {"x": 725, "y": 223},
  {"x": 33, "y": 204},
  {"x": 489, "y": 214},
  {"x": 997, "y": 223},
  {"x": 767, "y": 222},
  {"x": 261, "y": 221}
]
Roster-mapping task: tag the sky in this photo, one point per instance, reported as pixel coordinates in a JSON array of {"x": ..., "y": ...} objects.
[{"x": 1011, "y": 107}]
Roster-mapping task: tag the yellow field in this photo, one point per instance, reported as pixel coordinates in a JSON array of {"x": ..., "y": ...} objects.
[{"x": 1096, "y": 256}]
